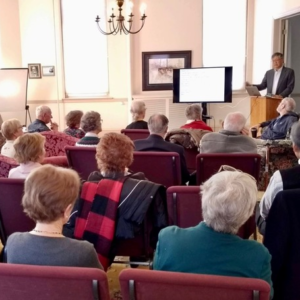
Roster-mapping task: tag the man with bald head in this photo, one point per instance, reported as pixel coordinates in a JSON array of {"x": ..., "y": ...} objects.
[
  {"x": 43, "y": 117},
  {"x": 158, "y": 127},
  {"x": 230, "y": 139}
]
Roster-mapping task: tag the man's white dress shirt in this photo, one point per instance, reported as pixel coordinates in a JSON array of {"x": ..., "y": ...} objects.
[{"x": 274, "y": 187}]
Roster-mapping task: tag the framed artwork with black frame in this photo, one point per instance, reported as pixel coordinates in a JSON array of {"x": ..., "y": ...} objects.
[
  {"x": 157, "y": 68},
  {"x": 34, "y": 71}
]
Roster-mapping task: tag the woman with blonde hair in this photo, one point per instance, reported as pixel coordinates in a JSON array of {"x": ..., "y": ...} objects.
[
  {"x": 49, "y": 196},
  {"x": 11, "y": 129},
  {"x": 30, "y": 152},
  {"x": 138, "y": 111}
]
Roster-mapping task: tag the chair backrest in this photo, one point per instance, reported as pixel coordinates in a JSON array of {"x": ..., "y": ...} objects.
[
  {"x": 208, "y": 164},
  {"x": 56, "y": 142},
  {"x": 159, "y": 167},
  {"x": 82, "y": 160},
  {"x": 12, "y": 217},
  {"x": 6, "y": 163},
  {"x": 185, "y": 209},
  {"x": 160, "y": 285},
  {"x": 20, "y": 282},
  {"x": 136, "y": 134},
  {"x": 190, "y": 158}
]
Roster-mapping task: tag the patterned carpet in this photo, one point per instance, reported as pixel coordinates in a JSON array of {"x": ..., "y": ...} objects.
[{"x": 113, "y": 278}]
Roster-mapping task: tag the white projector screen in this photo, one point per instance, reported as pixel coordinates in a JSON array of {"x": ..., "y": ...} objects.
[{"x": 13, "y": 89}]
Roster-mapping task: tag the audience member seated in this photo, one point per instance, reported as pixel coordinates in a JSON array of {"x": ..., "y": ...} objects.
[
  {"x": 73, "y": 122},
  {"x": 43, "y": 117},
  {"x": 193, "y": 114},
  {"x": 138, "y": 111},
  {"x": 282, "y": 239},
  {"x": 231, "y": 139},
  {"x": 285, "y": 179},
  {"x": 49, "y": 196},
  {"x": 212, "y": 247},
  {"x": 91, "y": 125},
  {"x": 127, "y": 200},
  {"x": 279, "y": 128},
  {"x": 158, "y": 127},
  {"x": 30, "y": 152},
  {"x": 11, "y": 129}
]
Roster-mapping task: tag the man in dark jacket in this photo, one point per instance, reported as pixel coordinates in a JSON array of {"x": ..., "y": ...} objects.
[
  {"x": 279, "y": 81},
  {"x": 158, "y": 127},
  {"x": 279, "y": 128}
]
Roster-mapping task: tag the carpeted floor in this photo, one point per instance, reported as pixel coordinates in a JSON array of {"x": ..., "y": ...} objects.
[{"x": 113, "y": 278}]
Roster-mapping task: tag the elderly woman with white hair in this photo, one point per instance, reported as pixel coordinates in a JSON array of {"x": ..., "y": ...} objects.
[
  {"x": 193, "y": 114},
  {"x": 138, "y": 111},
  {"x": 212, "y": 247}
]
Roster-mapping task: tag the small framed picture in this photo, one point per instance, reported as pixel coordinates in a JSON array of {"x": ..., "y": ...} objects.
[
  {"x": 48, "y": 71},
  {"x": 34, "y": 71}
]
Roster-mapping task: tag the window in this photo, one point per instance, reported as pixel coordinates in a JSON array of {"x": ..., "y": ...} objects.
[
  {"x": 224, "y": 37},
  {"x": 84, "y": 49}
]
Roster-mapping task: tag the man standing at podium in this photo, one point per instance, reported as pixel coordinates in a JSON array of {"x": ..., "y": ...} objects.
[{"x": 280, "y": 80}]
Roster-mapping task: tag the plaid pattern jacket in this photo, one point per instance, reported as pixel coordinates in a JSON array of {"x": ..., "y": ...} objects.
[{"x": 96, "y": 220}]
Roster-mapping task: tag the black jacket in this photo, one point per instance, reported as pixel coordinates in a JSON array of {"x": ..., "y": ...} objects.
[
  {"x": 156, "y": 143},
  {"x": 282, "y": 238},
  {"x": 279, "y": 127}
]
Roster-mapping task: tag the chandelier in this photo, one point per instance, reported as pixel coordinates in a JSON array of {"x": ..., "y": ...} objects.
[{"x": 117, "y": 25}]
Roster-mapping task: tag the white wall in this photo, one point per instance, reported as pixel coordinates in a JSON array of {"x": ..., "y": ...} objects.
[{"x": 175, "y": 25}]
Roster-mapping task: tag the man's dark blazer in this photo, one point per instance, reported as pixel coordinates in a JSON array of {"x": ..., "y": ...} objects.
[
  {"x": 282, "y": 239},
  {"x": 156, "y": 143},
  {"x": 285, "y": 85}
]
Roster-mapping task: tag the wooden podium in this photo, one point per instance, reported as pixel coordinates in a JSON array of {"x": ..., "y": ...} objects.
[{"x": 263, "y": 109}]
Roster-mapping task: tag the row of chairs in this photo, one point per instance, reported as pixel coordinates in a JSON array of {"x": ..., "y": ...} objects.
[
  {"x": 56, "y": 283},
  {"x": 184, "y": 210},
  {"x": 164, "y": 167}
]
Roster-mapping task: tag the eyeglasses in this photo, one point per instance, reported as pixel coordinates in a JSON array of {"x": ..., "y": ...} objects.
[
  {"x": 101, "y": 121},
  {"x": 232, "y": 169}
]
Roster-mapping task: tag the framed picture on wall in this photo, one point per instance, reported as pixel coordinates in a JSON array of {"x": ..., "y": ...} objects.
[
  {"x": 34, "y": 71},
  {"x": 157, "y": 68},
  {"x": 48, "y": 71}
]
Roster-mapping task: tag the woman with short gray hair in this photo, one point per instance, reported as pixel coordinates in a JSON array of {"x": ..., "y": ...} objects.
[
  {"x": 211, "y": 247},
  {"x": 193, "y": 114},
  {"x": 138, "y": 111},
  {"x": 91, "y": 125}
]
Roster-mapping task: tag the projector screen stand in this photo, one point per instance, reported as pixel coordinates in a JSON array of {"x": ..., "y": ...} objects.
[{"x": 27, "y": 113}]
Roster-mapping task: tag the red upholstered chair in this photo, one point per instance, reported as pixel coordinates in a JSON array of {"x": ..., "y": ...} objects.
[
  {"x": 160, "y": 285},
  {"x": 185, "y": 210},
  {"x": 159, "y": 167},
  {"x": 20, "y": 282},
  {"x": 136, "y": 134},
  {"x": 190, "y": 157},
  {"x": 12, "y": 217},
  {"x": 6, "y": 163},
  {"x": 82, "y": 160},
  {"x": 208, "y": 164},
  {"x": 56, "y": 142}
]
